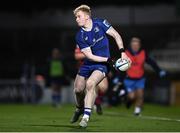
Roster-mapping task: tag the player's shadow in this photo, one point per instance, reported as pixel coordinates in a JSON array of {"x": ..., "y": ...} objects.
[{"x": 73, "y": 128}]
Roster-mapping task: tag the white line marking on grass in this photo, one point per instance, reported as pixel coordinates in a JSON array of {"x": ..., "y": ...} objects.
[
  {"x": 144, "y": 117},
  {"x": 159, "y": 118}
]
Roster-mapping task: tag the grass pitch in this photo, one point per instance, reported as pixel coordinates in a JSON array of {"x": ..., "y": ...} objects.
[{"x": 44, "y": 118}]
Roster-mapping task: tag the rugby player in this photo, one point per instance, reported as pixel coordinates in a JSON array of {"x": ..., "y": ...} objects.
[{"x": 93, "y": 42}]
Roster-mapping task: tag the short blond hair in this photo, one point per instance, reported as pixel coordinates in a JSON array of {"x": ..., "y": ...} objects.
[{"x": 84, "y": 8}]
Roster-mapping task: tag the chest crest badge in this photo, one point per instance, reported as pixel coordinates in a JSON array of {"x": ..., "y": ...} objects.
[{"x": 96, "y": 29}]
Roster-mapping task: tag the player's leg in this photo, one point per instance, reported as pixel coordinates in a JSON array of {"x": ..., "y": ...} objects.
[
  {"x": 140, "y": 84},
  {"x": 56, "y": 88},
  {"x": 103, "y": 85},
  {"x": 131, "y": 95},
  {"x": 130, "y": 99},
  {"x": 101, "y": 89},
  {"x": 95, "y": 78},
  {"x": 79, "y": 86},
  {"x": 139, "y": 101},
  {"x": 130, "y": 88}
]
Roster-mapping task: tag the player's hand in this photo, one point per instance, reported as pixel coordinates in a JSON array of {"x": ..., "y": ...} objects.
[
  {"x": 124, "y": 56},
  {"x": 162, "y": 73},
  {"x": 111, "y": 61}
]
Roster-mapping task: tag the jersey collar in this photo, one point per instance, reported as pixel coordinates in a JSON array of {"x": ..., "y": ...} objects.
[{"x": 90, "y": 29}]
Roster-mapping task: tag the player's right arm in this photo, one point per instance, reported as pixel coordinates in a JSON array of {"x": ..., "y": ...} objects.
[{"x": 88, "y": 53}]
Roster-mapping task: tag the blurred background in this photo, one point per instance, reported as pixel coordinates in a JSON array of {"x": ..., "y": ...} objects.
[{"x": 30, "y": 30}]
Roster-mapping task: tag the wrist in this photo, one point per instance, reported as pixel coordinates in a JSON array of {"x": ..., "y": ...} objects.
[
  {"x": 108, "y": 59},
  {"x": 122, "y": 50}
]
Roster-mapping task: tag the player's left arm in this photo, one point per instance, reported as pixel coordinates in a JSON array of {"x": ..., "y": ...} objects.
[
  {"x": 117, "y": 37},
  {"x": 150, "y": 61}
]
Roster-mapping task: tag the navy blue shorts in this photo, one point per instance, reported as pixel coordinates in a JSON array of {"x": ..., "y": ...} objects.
[
  {"x": 86, "y": 70},
  {"x": 134, "y": 84}
]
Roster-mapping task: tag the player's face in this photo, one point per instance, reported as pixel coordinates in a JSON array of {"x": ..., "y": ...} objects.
[
  {"x": 81, "y": 18},
  {"x": 135, "y": 46},
  {"x": 55, "y": 54}
]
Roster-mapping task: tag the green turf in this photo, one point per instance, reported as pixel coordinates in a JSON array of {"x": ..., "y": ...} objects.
[{"x": 46, "y": 118}]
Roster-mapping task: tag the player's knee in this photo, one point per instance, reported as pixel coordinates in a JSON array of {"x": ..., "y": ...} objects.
[
  {"x": 78, "y": 88},
  {"x": 131, "y": 96},
  {"x": 140, "y": 94},
  {"x": 90, "y": 85}
]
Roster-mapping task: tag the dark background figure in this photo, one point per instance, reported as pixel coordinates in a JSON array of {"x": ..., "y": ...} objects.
[{"x": 56, "y": 75}]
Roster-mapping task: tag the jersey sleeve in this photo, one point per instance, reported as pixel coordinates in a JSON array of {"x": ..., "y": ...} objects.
[
  {"x": 152, "y": 63},
  {"x": 81, "y": 42},
  {"x": 104, "y": 24}
]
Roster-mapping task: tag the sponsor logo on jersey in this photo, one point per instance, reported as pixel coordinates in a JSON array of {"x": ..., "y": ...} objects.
[
  {"x": 97, "y": 40},
  {"x": 86, "y": 38},
  {"x": 106, "y": 23},
  {"x": 94, "y": 40}
]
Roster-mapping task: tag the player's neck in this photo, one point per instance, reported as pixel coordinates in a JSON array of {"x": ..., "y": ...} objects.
[{"x": 88, "y": 26}]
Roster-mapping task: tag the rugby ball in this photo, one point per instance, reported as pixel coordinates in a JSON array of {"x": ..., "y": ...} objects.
[{"x": 122, "y": 64}]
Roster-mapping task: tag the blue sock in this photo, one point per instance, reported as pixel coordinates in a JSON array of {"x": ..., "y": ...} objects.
[{"x": 87, "y": 113}]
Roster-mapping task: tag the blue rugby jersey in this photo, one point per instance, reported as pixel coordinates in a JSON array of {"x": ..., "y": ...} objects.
[{"x": 96, "y": 39}]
